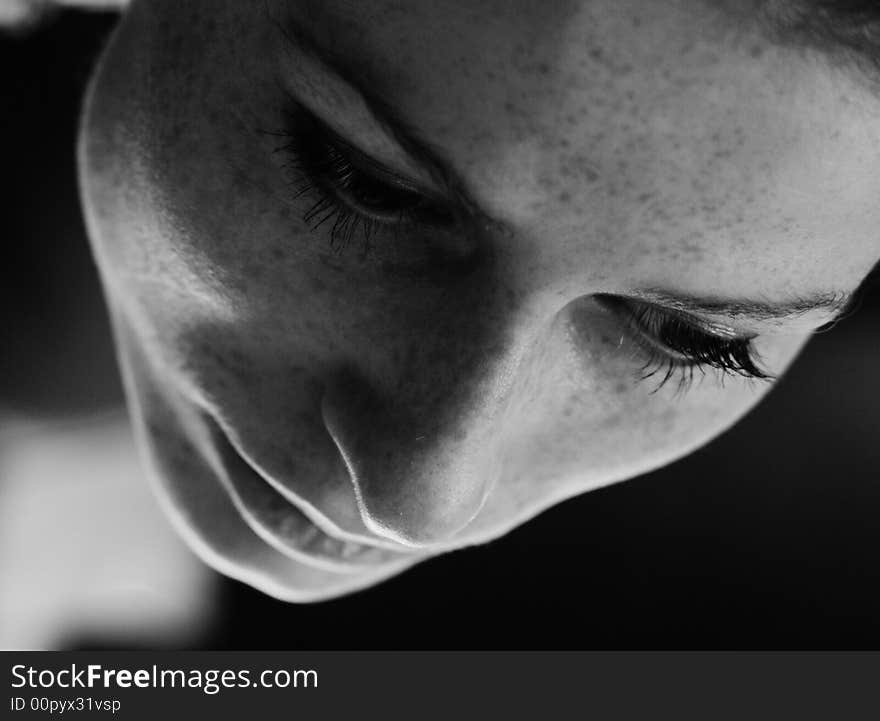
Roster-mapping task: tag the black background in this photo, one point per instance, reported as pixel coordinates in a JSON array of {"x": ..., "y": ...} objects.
[{"x": 767, "y": 538}]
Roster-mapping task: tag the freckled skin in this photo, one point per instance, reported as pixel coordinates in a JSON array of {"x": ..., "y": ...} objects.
[{"x": 621, "y": 144}]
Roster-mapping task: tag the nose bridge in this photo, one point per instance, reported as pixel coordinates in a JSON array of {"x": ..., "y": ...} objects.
[{"x": 421, "y": 445}]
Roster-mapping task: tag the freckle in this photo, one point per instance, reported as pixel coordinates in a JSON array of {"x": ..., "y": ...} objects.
[
  {"x": 564, "y": 197},
  {"x": 543, "y": 68},
  {"x": 620, "y": 388}
]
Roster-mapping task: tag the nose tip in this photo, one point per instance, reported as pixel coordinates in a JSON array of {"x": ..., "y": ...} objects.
[
  {"x": 417, "y": 488},
  {"x": 421, "y": 504}
]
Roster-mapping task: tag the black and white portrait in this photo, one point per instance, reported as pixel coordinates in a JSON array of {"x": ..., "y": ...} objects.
[{"x": 440, "y": 323}]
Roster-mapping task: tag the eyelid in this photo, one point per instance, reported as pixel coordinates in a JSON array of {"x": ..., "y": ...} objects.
[
  {"x": 720, "y": 331},
  {"x": 379, "y": 171},
  {"x": 687, "y": 347},
  {"x": 714, "y": 329},
  {"x": 297, "y": 110}
]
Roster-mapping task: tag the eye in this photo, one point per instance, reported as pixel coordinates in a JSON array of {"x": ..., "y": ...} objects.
[
  {"x": 350, "y": 192},
  {"x": 362, "y": 189},
  {"x": 676, "y": 344}
]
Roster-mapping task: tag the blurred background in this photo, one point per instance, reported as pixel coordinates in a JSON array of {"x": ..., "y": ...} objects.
[{"x": 767, "y": 538}]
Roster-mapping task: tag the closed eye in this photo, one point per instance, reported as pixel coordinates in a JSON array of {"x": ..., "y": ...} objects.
[
  {"x": 351, "y": 192},
  {"x": 677, "y": 344}
]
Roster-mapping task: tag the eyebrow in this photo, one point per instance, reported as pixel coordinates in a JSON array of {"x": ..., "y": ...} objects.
[
  {"x": 388, "y": 117},
  {"x": 835, "y": 304}
]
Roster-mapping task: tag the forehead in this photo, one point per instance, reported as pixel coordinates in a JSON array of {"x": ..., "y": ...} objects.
[
  {"x": 550, "y": 69},
  {"x": 632, "y": 128}
]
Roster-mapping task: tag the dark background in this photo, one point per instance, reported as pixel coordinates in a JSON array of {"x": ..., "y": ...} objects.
[{"x": 766, "y": 538}]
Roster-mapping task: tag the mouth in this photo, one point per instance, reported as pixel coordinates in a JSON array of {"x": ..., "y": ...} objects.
[{"x": 284, "y": 526}]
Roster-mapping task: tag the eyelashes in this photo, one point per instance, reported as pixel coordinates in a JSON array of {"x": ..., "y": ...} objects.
[
  {"x": 354, "y": 197},
  {"x": 678, "y": 349}
]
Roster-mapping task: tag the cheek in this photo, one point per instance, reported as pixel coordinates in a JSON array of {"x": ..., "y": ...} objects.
[{"x": 581, "y": 416}]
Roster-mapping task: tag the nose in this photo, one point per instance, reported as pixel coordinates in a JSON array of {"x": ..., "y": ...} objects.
[{"x": 420, "y": 470}]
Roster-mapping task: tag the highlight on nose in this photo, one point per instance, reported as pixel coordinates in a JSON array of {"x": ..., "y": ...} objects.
[
  {"x": 416, "y": 483},
  {"x": 418, "y": 504}
]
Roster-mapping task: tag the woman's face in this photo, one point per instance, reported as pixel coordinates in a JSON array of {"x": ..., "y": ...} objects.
[{"x": 389, "y": 279}]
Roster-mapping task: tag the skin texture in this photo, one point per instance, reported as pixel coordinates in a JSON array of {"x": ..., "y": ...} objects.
[{"x": 318, "y": 420}]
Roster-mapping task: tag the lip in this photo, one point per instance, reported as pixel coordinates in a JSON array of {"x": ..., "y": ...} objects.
[{"x": 284, "y": 526}]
